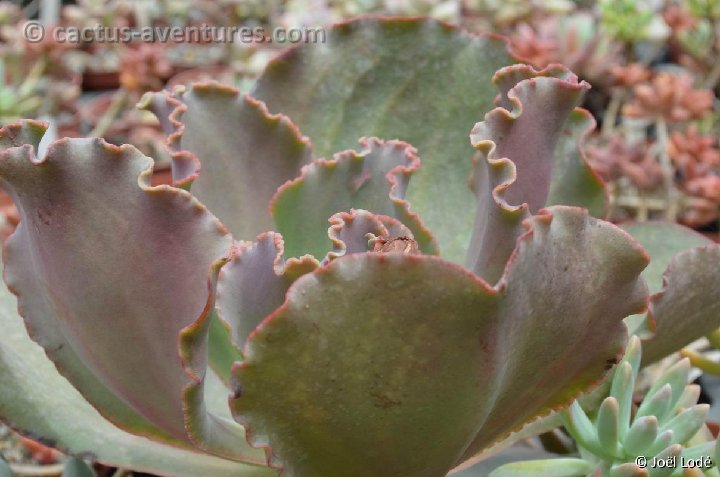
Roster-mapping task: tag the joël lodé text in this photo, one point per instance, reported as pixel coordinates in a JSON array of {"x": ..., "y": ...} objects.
[{"x": 676, "y": 462}]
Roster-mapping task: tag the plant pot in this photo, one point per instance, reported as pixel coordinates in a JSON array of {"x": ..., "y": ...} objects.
[{"x": 100, "y": 80}]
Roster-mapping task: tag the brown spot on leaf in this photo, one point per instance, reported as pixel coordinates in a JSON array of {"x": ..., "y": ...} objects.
[
  {"x": 397, "y": 245},
  {"x": 44, "y": 215},
  {"x": 609, "y": 363},
  {"x": 383, "y": 401}
]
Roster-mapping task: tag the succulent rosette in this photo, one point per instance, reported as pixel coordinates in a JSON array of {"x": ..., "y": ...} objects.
[{"x": 362, "y": 313}]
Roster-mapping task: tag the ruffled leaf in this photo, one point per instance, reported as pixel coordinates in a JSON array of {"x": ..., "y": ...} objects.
[
  {"x": 416, "y": 80},
  {"x": 374, "y": 179},
  {"x": 357, "y": 365},
  {"x": 361, "y": 231},
  {"x": 253, "y": 284},
  {"x": 513, "y": 169},
  {"x": 104, "y": 264},
  {"x": 35, "y": 398},
  {"x": 233, "y": 152},
  {"x": 684, "y": 277}
]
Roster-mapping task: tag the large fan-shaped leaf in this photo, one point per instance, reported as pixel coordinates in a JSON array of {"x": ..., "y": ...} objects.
[
  {"x": 374, "y": 179},
  {"x": 684, "y": 277},
  {"x": 35, "y": 398},
  {"x": 109, "y": 272},
  {"x": 233, "y": 152},
  {"x": 377, "y": 357},
  {"x": 420, "y": 81},
  {"x": 255, "y": 281},
  {"x": 513, "y": 170}
]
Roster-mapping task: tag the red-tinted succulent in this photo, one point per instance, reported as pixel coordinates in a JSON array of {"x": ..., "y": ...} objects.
[
  {"x": 697, "y": 159},
  {"x": 679, "y": 18},
  {"x": 616, "y": 158},
  {"x": 144, "y": 67},
  {"x": 630, "y": 75},
  {"x": 672, "y": 97}
]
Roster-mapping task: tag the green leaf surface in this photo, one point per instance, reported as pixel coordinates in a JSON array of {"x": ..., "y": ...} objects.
[
  {"x": 416, "y": 80},
  {"x": 684, "y": 277},
  {"x": 5, "y": 469},
  {"x": 663, "y": 241},
  {"x": 641, "y": 436},
  {"x": 627, "y": 470},
  {"x": 109, "y": 272},
  {"x": 35, "y": 398},
  {"x": 573, "y": 181},
  {"x": 356, "y": 359},
  {"x": 608, "y": 424},
  {"x": 232, "y": 150},
  {"x": 568, "y": 467},
  {"x": 687, "y": 423},
  {"x": 507, "y": 456},
  {"x": 222, "y": 354},
  {"x": 75, "y": 467},
  {"x": 670, "y": 453},
  {"x": 374, "y": 179}
]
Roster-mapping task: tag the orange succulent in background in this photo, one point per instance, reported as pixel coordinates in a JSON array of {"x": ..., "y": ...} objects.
[
  {"x": 535, "y": 47},
  {"x": 671, "y": 97},
  {"x": 617, "y": 158},
  {"x": 630, "y": 75},
  {"x": 697, "y": 159},
  {"x": 692, "y": 152},
  {"x": 678, "y": 18}
]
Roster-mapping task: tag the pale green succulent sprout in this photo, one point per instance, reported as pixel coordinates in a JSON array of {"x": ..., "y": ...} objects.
[{"x": 662, "y": 437}]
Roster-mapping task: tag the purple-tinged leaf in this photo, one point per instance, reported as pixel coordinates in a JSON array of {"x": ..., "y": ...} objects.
[
  {"x": 35, "y": 398},
  {"x": 253, "y": 284},
  {"x": 358, "y": 230},
  {"x": 513, "y": 169},
  {"x": 417, "y": 80},
  {"x": 358, "y": 365},
  {"x": 684, "y": 279},
  {"x": 233, "y": 152},
  {"x": 109, "y": 272},
  {"x": 374, "y": 179}
]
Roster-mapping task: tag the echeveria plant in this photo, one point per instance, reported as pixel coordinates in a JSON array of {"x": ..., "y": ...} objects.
[
  {"x": 357, "y": 322},
  {"x": 664, "y": 436}
]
